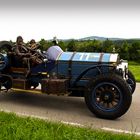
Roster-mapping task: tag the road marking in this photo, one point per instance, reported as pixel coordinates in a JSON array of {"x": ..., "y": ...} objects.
[
  {"x": 120, "y": 131},
  {"x": 71, "y": 123}
]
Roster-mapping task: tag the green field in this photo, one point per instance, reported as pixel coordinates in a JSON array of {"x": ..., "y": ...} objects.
[
  {"x": 13, "y": 127},
  {"x": 135, "y": 69}
]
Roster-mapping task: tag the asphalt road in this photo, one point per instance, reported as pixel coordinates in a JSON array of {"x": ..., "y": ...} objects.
[{"x": 69, "y": 110}]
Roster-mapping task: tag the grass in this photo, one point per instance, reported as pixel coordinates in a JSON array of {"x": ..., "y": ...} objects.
[
  {"x": 13, "y": 127},
  {"x": 134, "y": 67}
]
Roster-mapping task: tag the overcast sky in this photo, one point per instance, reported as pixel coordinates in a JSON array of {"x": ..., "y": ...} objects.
[{"x": 69, "y": 19}]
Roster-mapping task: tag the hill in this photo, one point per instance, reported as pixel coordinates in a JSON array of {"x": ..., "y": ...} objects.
[{"x": 100, "y": 38}]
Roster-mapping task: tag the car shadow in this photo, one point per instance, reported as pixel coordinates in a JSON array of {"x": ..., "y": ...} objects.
[{"x": 53, "y": 102}]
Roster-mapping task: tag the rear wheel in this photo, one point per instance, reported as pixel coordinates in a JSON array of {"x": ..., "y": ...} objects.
[{"x": 108, "y": 96}]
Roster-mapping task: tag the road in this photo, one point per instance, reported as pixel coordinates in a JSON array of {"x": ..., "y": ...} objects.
[{"x": 69, "y": 110}]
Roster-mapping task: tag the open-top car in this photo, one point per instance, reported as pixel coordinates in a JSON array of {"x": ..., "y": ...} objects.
[{"x": 103, "y": 79}]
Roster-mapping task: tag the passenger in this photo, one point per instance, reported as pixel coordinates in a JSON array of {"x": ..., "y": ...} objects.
[
  {"x": 33, "y": 45},
  {"x": 36, "y": 55},
  {"x": 53, "y": 52}
]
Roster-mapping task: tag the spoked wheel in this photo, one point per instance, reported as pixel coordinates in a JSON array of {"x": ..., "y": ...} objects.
[
  {"x": 131, "y": 81},
  {"x": 108, "y": 96}
]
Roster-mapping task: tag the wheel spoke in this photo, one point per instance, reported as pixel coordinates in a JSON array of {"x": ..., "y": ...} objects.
[
  {"x": 98, "y": 91},
  {"x": 1, "y": 62},
  {"x": 108, "y": 105},
  {"x": 114, "y": 103},
  {"x": 117, "y": 100},
  {"x": 116, "y": 96},
  {"x": 111, "y": 105},
  {"x": 101, "y": 103},
  {"x": 106, "y": 87},
  {"x": 102, "y": 89}
]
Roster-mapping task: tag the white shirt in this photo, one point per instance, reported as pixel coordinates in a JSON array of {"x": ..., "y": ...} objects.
[{"x": 53, "y": 52}]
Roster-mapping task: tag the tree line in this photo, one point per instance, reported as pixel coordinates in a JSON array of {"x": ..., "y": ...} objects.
[{"x": 127, "y": 49}]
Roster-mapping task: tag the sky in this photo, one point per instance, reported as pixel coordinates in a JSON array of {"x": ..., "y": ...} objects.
[{"x": 69, "y": 19}]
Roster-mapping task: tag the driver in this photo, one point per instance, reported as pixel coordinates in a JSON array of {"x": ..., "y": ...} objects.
[{"x": 21, "y": 51}]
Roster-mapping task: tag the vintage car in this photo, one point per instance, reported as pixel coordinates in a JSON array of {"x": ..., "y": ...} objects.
[{"x": 103, "y": 79}]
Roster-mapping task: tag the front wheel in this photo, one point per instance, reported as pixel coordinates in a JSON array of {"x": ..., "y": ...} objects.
[
  {"x": 131, "y": 81},
  {"x": 108, "y": 96}
]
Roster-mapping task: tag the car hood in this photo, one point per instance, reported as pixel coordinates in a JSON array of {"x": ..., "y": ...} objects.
[{"x": 88, "y": 57}]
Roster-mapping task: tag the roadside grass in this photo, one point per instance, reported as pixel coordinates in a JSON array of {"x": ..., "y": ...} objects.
[
  {"x": 13, "y": 127},
  {"x": 134, "y": 67}
]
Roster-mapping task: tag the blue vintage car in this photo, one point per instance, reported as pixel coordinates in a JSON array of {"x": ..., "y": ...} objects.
[{"x": 103, "y": 79}]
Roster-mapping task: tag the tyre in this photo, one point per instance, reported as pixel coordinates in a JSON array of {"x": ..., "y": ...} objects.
[
  {"x": 5, "y": 46},
  {"x": 108, "y": 96},
  {"x": 131, "y": 81}
]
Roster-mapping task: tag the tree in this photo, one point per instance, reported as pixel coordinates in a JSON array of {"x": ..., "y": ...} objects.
[
  {"x": 107, "y": 46},
  {"x": 71, "y": 46},
  {"x": 134, "y": 51},
  {"x": 62, "y": 44},
  {"x": 124, "y": 50},
  {"x": 45, "y": 44}
]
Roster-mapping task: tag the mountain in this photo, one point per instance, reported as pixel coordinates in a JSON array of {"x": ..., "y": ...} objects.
[{"x": 100, "y": 38}]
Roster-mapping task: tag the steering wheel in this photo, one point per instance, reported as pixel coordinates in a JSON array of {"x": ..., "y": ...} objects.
[{"x": 38, "y": 54}]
